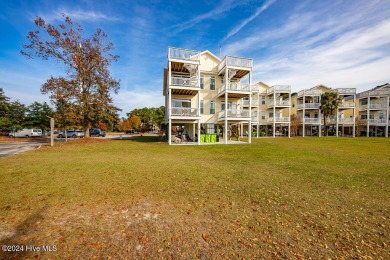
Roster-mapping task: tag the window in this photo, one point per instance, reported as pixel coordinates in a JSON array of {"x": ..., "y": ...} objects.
[
  {"x": 293, "y": 104},
  {"x": 307, "y": 115},
  {"x": 263, "y": 100},
  {"x": 201, "y": 82},
  {"x": 263, "y": 115},
  {"x": 315, "y": 115},
  {"x": 212, "y": 107},
  {"x": 271, "y": 115},
  {"x": 201, "y": 107},
  {"x": 212, "y": 83},
  {"x": 381, "y": 116},
  {"x": 363, "y": 117},
  {"x": 210, "y": 129},
  {"x": 181, "y": 103},
  {"x": 363, "y": 102},
  {"x": 371, "y": 116},
  {"x": 231, "y": 105}
]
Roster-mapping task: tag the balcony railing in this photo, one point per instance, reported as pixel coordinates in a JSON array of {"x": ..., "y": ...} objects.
[
  {"x": 279, "y": 89},
  {"x": 235, "y": 86},
  {"x": 373, "y": 106},
  {"x": 254, "y": 117},
  {"x": 279, "y": 103},
  {"x": 184, "y": 111},
  {"x": 183, "y": 54},
  {"x": 310, "y": 92},
  {"x": 345, "y": 91},
  {"x": 373, "y": 121},
  {"x": 279, "y": 119},
  {"x": 184, "y": 81},
  {"x": 255, "y": 102},
  {"x": 235, "y": 62},
  {"x": 347, "y": 105},
  {"x": 346, "y": 120},
  {"x": 309, "y": 105},
  {"x": 310, "y": 120},
  {"x": 234, "y": 114},
  {"x": 382, "y": 92}
]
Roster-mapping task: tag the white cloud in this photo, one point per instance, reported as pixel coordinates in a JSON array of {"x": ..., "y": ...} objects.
[
  {"x": 222, "y": 7},
  {"x": 127, "y": 100},
  {"x": 75, "y": 14},
  {"x": 241, "y": 25}
]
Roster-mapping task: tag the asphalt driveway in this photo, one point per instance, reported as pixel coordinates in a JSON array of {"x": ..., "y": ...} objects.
[{"x": 11, "y": 148}]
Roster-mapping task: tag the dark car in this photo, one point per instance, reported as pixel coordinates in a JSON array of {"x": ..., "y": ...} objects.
[{"x": 97, "y": 132}]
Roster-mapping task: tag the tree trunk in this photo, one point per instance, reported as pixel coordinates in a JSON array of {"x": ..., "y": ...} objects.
[{"x": 326, "y": 132}]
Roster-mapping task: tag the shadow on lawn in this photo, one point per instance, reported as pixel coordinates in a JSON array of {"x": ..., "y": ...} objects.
[
  {"x": 25, "y": 228},
  {"x": 141, "y": 139}
]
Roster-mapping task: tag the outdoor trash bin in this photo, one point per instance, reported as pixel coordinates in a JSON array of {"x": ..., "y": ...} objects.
[
  {"x": 208, "y": 138},
  {"x": 202, "y": 138},
  {"x": 213, "y": 138}
]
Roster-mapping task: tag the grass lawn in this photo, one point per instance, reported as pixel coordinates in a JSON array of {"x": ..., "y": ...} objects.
[{"x": 283, "y": 198}]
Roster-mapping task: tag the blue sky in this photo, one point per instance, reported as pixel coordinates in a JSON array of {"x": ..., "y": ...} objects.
[{"x": 298, "y": 43}]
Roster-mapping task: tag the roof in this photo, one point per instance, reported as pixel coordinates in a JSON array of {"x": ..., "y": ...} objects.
[{"x": 211, "y": 54}]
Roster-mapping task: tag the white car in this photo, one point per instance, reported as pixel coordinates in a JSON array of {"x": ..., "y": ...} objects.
[{"x": 26, "y": 133}]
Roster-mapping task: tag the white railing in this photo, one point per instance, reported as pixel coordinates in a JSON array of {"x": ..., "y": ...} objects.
[
  {"x": 184, "y": 111},
  {"x": 347, "y": 105},
  {"x": 235, "y": 62},
  {"x": 346, "y": 120},
  {"x": 373, "y": 106},
  {"x": 282, "y": 103},
  {"x": 255, "y": 102},
  {"x": 183, "y": 54},
  {"x": 234, "y": 86},
  {"x": 279, "y": 89},
  {"x": 310, "y": 120},
  {"x": 234, "y": 114},
  {"x": 382, "y": 92},
  {"x": 279, "y": 119},
  {"x": 254, "y": 117},
  {"x": 311, "y": 92},
  {"x": 373, "y": 121},
  {"x": 184, "y": 81},
  {"x": 309, "y": 105},
  {"x": 348, "y": 91}
]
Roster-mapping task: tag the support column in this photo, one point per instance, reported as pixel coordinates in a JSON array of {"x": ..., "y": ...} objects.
[
  {"x": 241, "y": 130},
  {"x": 198, "y": 132},
  {"x": 289, "y": 114},
  {"x": 226, "y": 104},
  {"x": 387, "y": 117},
  {"x": 257, "y": 129},
  {"x": 368, "y": 117},
  {"x": 354, "y": 117},
  {"x": 337, "y": 123},
  {"x": 274, "y": 111},
  {"x": 250, "y": 109},
  {"x": 303, "y": 116},
  {"x": 169, "y": 104}
]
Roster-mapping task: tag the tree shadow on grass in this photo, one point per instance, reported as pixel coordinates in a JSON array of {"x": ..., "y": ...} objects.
[
  {"x": 25, "y": 228},
  {"x": 141, "y": 139}
]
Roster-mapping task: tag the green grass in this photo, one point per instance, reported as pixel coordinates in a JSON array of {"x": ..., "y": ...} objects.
[{"x": 285, "y": 198}]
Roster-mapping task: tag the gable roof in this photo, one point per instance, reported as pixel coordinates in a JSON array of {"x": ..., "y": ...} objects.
[{"x": 211, "y": 55}]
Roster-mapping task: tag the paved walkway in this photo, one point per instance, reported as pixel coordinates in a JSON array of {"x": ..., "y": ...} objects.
[{"x": 11, "y": 148}]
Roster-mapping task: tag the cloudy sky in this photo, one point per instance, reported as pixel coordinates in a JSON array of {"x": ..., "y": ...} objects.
[{"x": 298, "y": 43}]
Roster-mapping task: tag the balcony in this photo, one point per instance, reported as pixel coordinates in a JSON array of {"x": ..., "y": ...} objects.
[
  {"x": 374, "y": 93},
  {"x": 309, "y": 120},
  {"x": 182, "y": 112},
  {"x": 347, "y": 105},
  {"x": 279, "y": 89},
  {"x": 309, "y": 106},
  {"x": 373, "y": 121},
  {"x": 278, "y": 120},
  {"x": 183, "y": 54},
  {"x": 279, "y": 103},
  {"x": 345, "y": 91},
  {"x": 255, "y": 103},
  {"x": 373, "y": 107},
  {"x": 235, "y": 89},
  {"x": 184, "y": 85},
  {"x": 340, "y": 121},
  {"x": 234, "y": 114},
  {"x": 310, "y": 92}
]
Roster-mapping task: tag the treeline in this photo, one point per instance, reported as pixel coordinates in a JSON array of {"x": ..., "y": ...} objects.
[
  {"x": 15, "y": 116},
  {"x": 143, "y": 119}
]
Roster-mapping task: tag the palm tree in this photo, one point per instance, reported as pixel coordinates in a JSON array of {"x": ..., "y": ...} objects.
[{"x": 329, "y": 105}]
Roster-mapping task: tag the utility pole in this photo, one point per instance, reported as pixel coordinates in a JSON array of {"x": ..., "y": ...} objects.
[{"x": 51, "y": 131}]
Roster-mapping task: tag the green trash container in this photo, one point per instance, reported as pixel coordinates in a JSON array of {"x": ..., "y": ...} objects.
[
  {"x": 202, "y": 138},
  {"x": 214, "y": 138},
  {"x": 208, "y": 138}
]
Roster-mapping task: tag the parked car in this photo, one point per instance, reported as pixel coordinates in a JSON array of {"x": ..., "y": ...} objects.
[
  {"x": 132, "y": 131},
  {"x": 26, "y": 133},
  {"x": 97, "y": 132},
  {"x": 71, "y": 134}
]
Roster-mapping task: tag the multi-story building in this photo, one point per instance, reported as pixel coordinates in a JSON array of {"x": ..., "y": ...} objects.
[
  {"x": 203, "y": 95},
  {"x": 343, "y": 122},
  {"x": 373, "y": 110}
]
